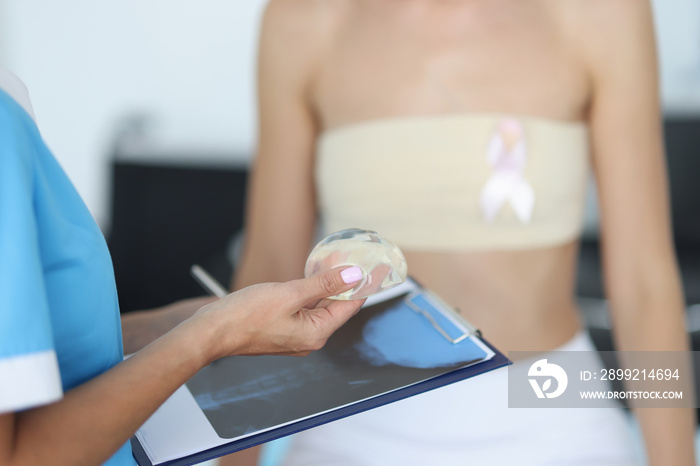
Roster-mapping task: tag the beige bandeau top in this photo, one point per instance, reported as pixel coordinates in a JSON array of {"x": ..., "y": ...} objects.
[{"x": 456, "y": 181}]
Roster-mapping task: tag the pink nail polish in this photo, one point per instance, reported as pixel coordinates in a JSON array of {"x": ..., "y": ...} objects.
[{"x": 351, "y": 275}]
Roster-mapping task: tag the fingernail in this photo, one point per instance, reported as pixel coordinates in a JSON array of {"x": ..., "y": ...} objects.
[{"x": 352, "y": 274}]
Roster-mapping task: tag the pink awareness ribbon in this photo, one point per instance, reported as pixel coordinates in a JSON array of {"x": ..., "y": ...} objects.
[{"x": 507, "y": 154}]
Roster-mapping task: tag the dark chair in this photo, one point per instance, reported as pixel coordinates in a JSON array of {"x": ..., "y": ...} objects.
[{"x": 166, "y": 217}]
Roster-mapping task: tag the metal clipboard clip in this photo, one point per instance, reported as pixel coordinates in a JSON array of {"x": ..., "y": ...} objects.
[{"x": 442, "y": 317}]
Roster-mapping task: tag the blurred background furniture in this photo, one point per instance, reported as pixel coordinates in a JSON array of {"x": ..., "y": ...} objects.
[{"x": 167, "y": 216}]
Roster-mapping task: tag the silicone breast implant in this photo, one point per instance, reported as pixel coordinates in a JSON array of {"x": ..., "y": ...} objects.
[{"x": 382, "y": 262}]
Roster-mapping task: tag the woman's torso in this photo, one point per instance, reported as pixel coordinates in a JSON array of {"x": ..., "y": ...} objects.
[{"x": 387, "y": 59}]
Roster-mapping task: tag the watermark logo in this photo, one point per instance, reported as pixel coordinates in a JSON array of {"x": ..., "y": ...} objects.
[
  {"x": 601, "y": 379},
  {"x": 542, "y": 370}
]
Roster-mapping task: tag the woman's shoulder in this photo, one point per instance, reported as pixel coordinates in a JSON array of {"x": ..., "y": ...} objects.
[
  {"x": 602, "y": 9},
  {"x": 607, "y": 34},
  {"x": 295, "y": 37},
  {"x": 604, "y": 22},
  {"x": 303, "y": 19}
]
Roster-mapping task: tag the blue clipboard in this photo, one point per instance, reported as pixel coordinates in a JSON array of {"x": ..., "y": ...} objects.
[{"x": 370, "y": 362}]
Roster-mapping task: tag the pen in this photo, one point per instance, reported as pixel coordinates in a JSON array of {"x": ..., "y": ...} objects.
[{"x": 208, "y": 282}]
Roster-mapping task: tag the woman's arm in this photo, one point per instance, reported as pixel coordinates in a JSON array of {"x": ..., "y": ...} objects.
[
  {"x": 96, "y": 418},
  {"x": 641, "y": 274},
  {"x": 281, "y": 205}
]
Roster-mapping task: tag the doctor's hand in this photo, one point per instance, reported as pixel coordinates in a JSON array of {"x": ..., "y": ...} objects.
[{"x": 290, "y": 318}]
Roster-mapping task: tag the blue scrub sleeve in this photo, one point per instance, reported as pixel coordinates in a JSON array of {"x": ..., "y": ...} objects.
[{"x": 29, "y": 374}]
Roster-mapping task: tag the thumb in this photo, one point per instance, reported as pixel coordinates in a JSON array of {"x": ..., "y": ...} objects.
[{"x": 329, "y": 283}]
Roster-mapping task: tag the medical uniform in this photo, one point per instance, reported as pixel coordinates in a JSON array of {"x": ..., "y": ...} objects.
[{"x": 59, "y": 315}]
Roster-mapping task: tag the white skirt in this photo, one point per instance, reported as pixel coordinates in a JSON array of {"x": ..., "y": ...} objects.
[{"x": 469, "y": 423}]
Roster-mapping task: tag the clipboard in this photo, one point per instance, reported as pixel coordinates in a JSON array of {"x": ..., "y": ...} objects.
[{"x": 404, "y": 342}]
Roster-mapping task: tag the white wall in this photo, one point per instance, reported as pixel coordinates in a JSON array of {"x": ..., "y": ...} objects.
[
  {"x": 678, "y": 33},
  {"x": 190, "y": 64},
  {"x": 87, "y": 64}
]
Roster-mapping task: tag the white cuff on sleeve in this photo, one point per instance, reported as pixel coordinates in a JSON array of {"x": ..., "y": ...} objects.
[{"x": 29, "y": 380}]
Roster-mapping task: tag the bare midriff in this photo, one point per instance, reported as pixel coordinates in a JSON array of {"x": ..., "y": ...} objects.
[{"x": 520, "y": 300}]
